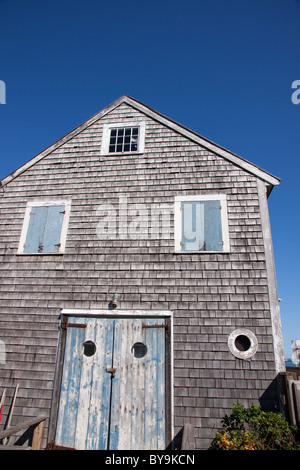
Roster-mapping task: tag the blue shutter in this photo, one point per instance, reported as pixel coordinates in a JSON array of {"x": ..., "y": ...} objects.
[
  {"x": 201, "y": 226},
  {"x": 53, "y": 227},
  {"x": 192, "y": 226},
  {"x": 35, "y": 234},
  {"x": 213, "y": 226},
  {"x": 44, "y": 229}
]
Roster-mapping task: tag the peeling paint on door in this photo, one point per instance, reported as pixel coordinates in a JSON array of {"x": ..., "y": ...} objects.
[{"x": 113, "y": 398}]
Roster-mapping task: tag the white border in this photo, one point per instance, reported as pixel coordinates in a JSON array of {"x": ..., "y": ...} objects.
[
  {"x": 253, "y": 343},
  {"x": 116, "y": 312},
  {"x": 106, "y": 137},
  {"x": 178, "y": 220},
  {"x": 271, "y": 278},
  {"x": 64, "y": 228}
]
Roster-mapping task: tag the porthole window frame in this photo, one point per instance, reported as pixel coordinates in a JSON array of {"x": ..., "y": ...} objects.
[
  {"x": 139, "y": 344},
  {"x": 253, "y": 343},
  {"x": 91, "y": 346}
]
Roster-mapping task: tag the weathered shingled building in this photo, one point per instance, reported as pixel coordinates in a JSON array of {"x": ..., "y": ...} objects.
[{"x": 138, "y": 289}]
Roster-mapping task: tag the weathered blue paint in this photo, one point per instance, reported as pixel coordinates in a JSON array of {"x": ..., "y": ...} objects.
[
  {"x": 201, "y": 226},
  {"x": 100, "y": 385},
  {"x": 70, "y": 388},
  {"x": 55, "y": 215},
  {"x": 44, "y": 229},
  {"x": 124, "y": 410},
  {"x": 213, "y": 226},
  {"x": 36, "y": 228}
]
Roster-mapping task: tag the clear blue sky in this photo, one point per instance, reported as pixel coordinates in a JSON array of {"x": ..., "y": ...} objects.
[{"x": 222, "y": 68}]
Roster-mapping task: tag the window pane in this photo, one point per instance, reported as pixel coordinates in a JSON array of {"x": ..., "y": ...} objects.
[{"x": 124, "y": 140}]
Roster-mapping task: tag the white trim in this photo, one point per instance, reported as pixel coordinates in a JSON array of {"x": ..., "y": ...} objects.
[
  {"x": 178, "y": 220},
  {"x": 253, "y": 343},
  {"x": 120, "y": 125},
  {"x": 116, "y": 312},
  {"x": 202, "y": 197},
  {"x": 241, "y": 162},
  {"x": 64, "y": 228},
  {"x": 271, "y": 278}
]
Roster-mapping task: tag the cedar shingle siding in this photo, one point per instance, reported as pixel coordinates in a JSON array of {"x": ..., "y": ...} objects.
[{"x": 210, "y": 295}]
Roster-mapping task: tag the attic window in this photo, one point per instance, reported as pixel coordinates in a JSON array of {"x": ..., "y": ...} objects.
[
  {"x": 124, "y": 140},
  {"x": 45, "y": 227},
  {"x": 121, "y": 138}
]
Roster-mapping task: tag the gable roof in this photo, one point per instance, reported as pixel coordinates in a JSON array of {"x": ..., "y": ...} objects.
[{"x": 268, "y": 178}]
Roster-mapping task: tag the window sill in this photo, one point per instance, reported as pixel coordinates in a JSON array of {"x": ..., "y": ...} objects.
[
  {"x": 121, "y": 153},
  {"x": 202, "y": 252},
  {"x": 40, "y": 254}
]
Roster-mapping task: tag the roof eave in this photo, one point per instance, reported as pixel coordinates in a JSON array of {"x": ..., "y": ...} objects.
[{"x": 269, "y": 179}]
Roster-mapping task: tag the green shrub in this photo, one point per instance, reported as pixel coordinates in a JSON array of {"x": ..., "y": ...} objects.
[{"x": 254, "y": 429}]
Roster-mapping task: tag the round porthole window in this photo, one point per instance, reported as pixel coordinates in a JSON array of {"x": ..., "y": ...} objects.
[
  {"x": 89, "y": 348},
  {"x": 242, "y": 343},
  {"x": 139, "y": 350}
]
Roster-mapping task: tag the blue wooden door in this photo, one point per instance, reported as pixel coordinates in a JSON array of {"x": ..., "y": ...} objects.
[{"x": 113, "y": 385}]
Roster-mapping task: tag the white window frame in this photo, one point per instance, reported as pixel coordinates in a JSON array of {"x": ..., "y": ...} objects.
[
  {"x": 64, "y": 228},
  {"x": 178, "y": 221},
  {"x": 122, "y": 125}
]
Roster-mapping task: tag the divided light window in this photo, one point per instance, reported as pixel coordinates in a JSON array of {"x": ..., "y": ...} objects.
[
  {"x": 201, "y": 223},
  {"x": 45, "y": 228},
  {"x": 123, "y": 137},
  {"x": 124, "y": 140}
]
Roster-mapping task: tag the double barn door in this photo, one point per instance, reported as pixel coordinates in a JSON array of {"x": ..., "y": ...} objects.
[{"x": 113, "y": 384}]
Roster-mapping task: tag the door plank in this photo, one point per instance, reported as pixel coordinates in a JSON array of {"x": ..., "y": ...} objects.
[
  {"x": 66, "y": 422},
  {"x": 101, "y": 387},
  {"x": 85, "y": 387}
]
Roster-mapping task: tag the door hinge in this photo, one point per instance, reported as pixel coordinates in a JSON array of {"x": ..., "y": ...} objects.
[
  {"x": 154, "y": 326},
  {"x": 53, "y": 446},
  {"x": 65, "y": 324}
]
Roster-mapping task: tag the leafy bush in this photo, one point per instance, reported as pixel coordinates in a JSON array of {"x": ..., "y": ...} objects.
[{"x": 254, "y": 429}]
